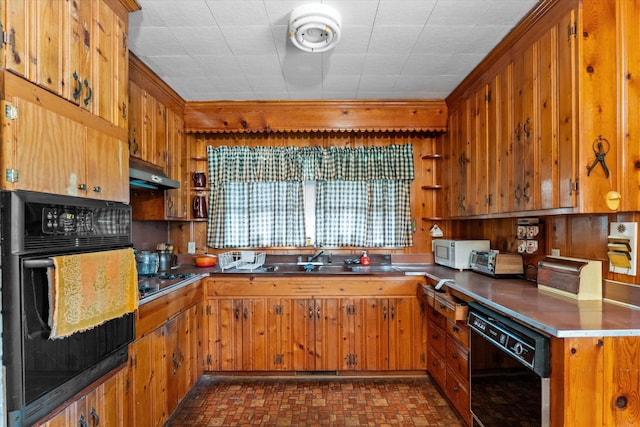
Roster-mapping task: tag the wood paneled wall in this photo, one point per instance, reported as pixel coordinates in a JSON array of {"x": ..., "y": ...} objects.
[{"x": 423, "y": 202}]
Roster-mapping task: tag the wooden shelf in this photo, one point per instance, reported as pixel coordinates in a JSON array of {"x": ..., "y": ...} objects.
[
  {"x": 431, "y": 156},
  {"x": 432, "y": 187}
]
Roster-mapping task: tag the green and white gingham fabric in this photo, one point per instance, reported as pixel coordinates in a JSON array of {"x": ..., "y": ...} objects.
[{"x": 362, "y": 195}]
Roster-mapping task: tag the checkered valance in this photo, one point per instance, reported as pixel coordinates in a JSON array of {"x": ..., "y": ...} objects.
[{"x": 275, "y": 164}]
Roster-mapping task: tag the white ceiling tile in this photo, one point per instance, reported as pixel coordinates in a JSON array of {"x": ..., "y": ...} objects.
[
  {"x": 185, "y": 12},
  {"x": 377, "y": 83},
  {"x": 394, "y": 39},
  {"x": 355, "y": 13},
  {"x": 204, "y": 41},
  {"x": 152, "y": 41},
  {"x": 239, "y": 13},
  {"x": 344, "y": 64},
  {"x": 376, "y": 65},
  {"x": 394, "y": 12},
  {"x": 253, "y": 40},
  {"x": 218, "y": 65}
]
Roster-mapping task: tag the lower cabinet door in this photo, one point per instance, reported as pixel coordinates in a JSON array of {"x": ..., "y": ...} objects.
[{"x": 437, "y": 368}]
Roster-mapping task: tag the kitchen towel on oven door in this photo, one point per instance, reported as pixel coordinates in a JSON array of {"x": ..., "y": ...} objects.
[{"x": 86, "y": 290}]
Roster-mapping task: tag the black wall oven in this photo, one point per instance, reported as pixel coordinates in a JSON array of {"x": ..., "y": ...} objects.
[
  {"x": 509, "y": 371},
  {"x": 42, "y": 373}
]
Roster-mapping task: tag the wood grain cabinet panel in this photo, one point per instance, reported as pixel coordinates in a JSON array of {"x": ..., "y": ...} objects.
[
  {"x": 147, "y": 127},
  {"x": 76, "y": 49},
  {"x": 298, "y": 333},
  {"x": 167, "y": 357},
  {"x": 105, "y": 404},
  {"x": 176, "y": 201},
  {"x": 48, "y": 148}
]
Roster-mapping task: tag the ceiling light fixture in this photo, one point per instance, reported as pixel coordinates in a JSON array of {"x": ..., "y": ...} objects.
[{"x": 315, "y": 27}]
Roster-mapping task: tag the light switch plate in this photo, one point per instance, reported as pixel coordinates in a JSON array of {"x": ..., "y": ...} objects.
[
  {"x": 628, "y": 232},
  {"x": 191, "y": 247}
]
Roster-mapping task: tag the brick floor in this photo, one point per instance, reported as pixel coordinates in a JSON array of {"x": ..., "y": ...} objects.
[{"x": 336, "y": 401}]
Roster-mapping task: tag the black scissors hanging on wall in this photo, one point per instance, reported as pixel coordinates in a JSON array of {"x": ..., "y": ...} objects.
[{"x": 600, "y": 148}]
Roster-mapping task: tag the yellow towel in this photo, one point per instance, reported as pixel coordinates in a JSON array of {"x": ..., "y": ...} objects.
[{"x": 86, "y": 290}]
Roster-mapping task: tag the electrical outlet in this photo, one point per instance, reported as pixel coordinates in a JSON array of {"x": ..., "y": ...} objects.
[
  {"x": 191, "y": 247},
  {"x": 555, "y": 252}
]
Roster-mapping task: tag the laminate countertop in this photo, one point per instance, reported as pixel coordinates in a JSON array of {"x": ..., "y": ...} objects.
[{"x": 554, "y": 314}]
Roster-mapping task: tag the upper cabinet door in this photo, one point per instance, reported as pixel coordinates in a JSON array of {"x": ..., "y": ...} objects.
[{"x": 76, "y": 49}]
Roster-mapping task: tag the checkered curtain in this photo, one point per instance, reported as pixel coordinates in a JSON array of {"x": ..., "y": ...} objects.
[
  {"x": 256, "y": 197},
  {"x": 362, "y": 195}
]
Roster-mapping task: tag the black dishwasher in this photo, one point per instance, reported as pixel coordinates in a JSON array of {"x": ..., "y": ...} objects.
[{"x": 509, "y": 371}]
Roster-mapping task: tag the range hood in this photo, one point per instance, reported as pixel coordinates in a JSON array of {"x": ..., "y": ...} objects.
[{"x": 145, "y": 175}]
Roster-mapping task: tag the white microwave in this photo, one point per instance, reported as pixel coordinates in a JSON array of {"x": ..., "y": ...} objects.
[{"x": 457, "y": 253}]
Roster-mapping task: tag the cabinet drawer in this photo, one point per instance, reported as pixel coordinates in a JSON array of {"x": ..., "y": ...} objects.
[
  {"x": 458, "y": 393},
  {"x": 459, "y": 331},
  {"x": 457, "y": 359},
  {"x": 436, "y": 367},
  {"x": 450, "y": 308},
  {"x": 436, "y": 338},
  {"x": 437, "y": 318},
  {"x": 427, "y": 294}
]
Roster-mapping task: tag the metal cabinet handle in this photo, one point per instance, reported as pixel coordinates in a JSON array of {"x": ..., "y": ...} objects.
[
  {"x": 517, "y": 131},
  {"x": 97, "y": 189},
  {"x": 526, "y": 192},
  {"x": 245, "y": 313},
  {"x": 237, "y": 312},
  {"x": 76, "y": 93},
  {"x": 525, "y": 128},
  {"x": 310, "y": 312},
  {"x": 384, "y": 312},
  {"x": 517, "y": 193},
  {"x": 82, "y": 422},
  {"x": 95, "y": 416},
  {"x": 393, "y": 312},
  {"x": 318, "y": 312},
  {"x": 90, "y": 94}
]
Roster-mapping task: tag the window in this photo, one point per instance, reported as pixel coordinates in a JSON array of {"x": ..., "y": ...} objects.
[{"x": 280, "y": 196}]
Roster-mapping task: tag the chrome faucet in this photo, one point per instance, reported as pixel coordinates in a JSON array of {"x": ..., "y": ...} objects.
[{"x": 316, "y": 256}]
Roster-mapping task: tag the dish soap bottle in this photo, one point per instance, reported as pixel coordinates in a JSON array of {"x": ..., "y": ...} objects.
[{"x": 364, "y": 259}]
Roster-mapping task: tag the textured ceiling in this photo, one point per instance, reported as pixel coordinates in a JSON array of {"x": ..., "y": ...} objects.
[{"x": 390, "y": 49}]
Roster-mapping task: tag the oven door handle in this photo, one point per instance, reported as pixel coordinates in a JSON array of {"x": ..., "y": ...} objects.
[{"x": 38, "y": 263}]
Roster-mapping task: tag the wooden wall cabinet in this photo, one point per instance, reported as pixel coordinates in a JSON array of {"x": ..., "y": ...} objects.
[
  {"x": 512, "y": 136},
  {"x": 106, "y": 404},
  {"x": 147, "y": 127},
  {"x": 176, "y": 201},
  {"x": 75, "y": 49},
  {"x": 49, "y": 147},
  {"x": 558, "y": 83}
]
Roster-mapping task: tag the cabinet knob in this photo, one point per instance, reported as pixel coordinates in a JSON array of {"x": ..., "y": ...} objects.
[
  {"x": 97, "y": 189},
  {"x": 82, "y": 187}
]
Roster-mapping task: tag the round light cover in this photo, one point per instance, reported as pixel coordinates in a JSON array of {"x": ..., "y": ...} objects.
[{"x": 315, "y": 27}]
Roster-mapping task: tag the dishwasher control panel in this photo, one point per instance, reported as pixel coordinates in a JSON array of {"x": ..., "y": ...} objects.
[{"x": 524, "y": 344}]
